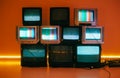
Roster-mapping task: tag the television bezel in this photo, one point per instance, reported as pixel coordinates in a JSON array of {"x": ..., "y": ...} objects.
[
  {"x": 60, "y": 22},
  {"x": 89, "y": 23},
  {"x": 50, "y": 41},
  {"x": 32, "y": 23},
  {"x": 57, "y": 63},
  {"x": 88, "y": 64},
  {"x": 33, "y": 61},
  {"x": 28, "y": 41},
  {"x": 93, "y": 41}
]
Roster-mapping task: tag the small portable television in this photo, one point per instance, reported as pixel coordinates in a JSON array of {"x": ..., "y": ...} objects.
[
  {"x": 92, "y": 35},
  {"x": 32, "y": 16},
  {"x": 88, "y": 55},
  {"x": 59, "y": 16},
  {"x": 85, "y": 17},
  {"x": 71, "y": 34},
  {"x": 28, "y": 34},
  {"x": 33, "y": 55},
  {"x": 50, "y": 34}
]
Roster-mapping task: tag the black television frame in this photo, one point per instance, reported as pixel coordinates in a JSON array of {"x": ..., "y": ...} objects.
[
  {"x": 52, "y": 56},
  {"x": 31, "y": 23},
  {"x": 60, "y": 22},
  {"x": 33, "y": 61},
  {"x": 89, "y": 64}
]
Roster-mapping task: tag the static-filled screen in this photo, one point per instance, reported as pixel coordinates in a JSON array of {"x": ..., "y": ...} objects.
[
  {"x": 32, "y": 15},
  {"x": 70, "y": 33},
  {"x": 27, "y": 33},
  {"x": 88, "y": 54},
  {"x": 93, "y": 34},
  {"x": 34, "y": 52},
  {"x": 86, "y": 15},
  {"x": 49, "y": 33}
]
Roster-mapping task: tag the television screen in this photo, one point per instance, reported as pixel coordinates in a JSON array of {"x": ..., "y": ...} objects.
[
  {"x": 85, "y": 17},
  {"x": 71, "y": 33},
  {"x": 33, "y": 53},
  {"x": 59, "y": 16},
  {"x": 50, "y": 34},
  {"x": 92, "y": 35},
  {"x": 61, "y": 55},
  {"x": 88, "y": 54},
  {"x": 32, "y": 16},
  {"x": 27, "y": 34}
]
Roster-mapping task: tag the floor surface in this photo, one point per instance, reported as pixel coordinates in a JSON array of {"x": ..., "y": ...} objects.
[{"x": 12, "y": 69}]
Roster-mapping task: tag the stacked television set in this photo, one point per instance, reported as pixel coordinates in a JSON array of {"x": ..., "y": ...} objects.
[{"x": 59, "y": 44}]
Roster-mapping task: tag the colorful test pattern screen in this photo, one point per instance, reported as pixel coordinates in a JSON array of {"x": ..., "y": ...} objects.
[
  {"x": 32, "y": 15},
  {"x": 93, "y": 34},
  {"x": 70, "y": 33},
  {"x": 49, "y": 33},
  {"x": 86, "y": 15},
  {"x": 88, "y": 53},
  {"x": 27, "y": 33}
]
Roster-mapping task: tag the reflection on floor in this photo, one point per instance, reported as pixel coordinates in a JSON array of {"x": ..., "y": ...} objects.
[{"x": 12, "y": 69}]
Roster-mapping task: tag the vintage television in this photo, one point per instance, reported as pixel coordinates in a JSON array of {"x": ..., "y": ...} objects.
[
  {"x": 85, "y": 17},
  {"x": 50, "y": 34},
  {"x": 71, "y": 34},
  {"x": 33, "y": 55},
  {"x": 92, "y": 35},
  {"x": 88, "y": 55},
  {"x": 28, "y": 34},
  {"x": 61, "y": 55},
  {"x": 59, "y": 16},
  {"x": 32, "y": 16}
]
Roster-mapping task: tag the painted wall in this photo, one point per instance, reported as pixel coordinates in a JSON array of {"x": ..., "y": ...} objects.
[{"x": 11, "y": 16}]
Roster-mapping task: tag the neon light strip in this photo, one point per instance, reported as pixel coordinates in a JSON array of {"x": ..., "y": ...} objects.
[
  {"x": 10, "y": 57},
  {"x": 18, "y": 57}
]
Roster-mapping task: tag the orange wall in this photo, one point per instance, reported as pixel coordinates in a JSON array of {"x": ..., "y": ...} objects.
[{"x": 11, "y": 16}]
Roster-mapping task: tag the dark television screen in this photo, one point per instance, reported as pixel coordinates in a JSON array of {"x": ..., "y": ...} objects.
[
  {"x": 32, "y": 16},
  {"x": 88, "y": 54},
  {"x": 59, "y": 16},
  {"x": 71, "y": 33}
]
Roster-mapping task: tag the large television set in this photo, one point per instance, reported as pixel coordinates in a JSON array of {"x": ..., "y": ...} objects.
[
  {"x": 88, "y": 55},
  {"x": 50, "y": 34},
  {"x": 85, "y": 17},
  {"x": 71, "y": 34},
  {"x": 32, "y": 16},
  {"x": 59, "y": 16},
  {"x": 33, "y": 55},
  {"x": 61, "y": 55},
  {"x": 28, "y": 34},
  {"x": 92, "y": 35}
]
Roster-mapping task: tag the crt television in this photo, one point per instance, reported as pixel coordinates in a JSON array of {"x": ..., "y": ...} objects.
[
  {"x": 92, "y": 35},
  {"x": 71, "y": 33},
  {"x": 33, "y": 55},
  {"x": 61, "y": 55},
  {"x": 85, "y": 17},
  {"x": 28, "y": 34},
  {"x": 88, "y": 55},
  {"x": 59, "y": 16},
  {"x": 50, "y": 34},
  {"x": 32, "y": 16}
]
